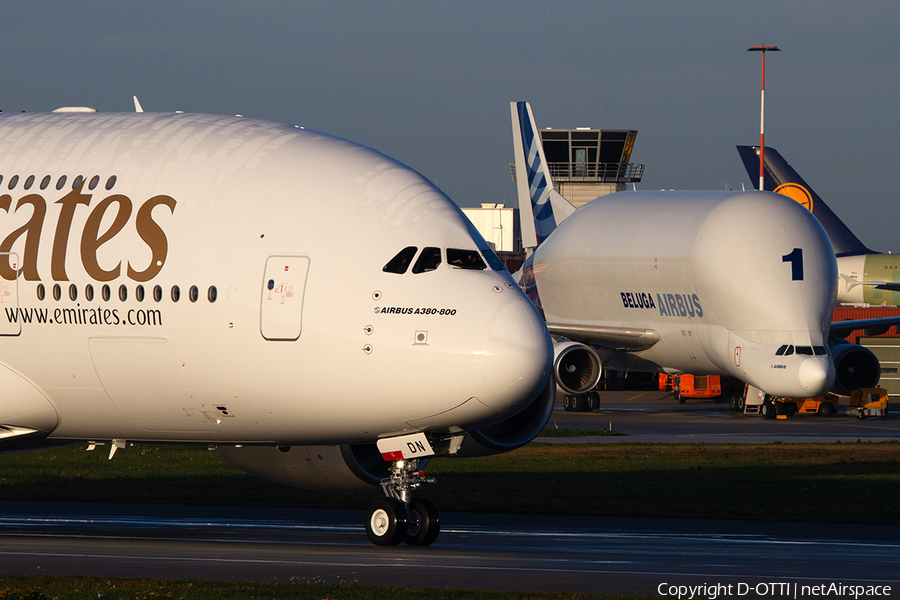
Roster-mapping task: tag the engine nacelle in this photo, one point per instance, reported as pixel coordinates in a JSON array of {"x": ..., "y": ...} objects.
[
  {"x": 855, "y": 367},
  {"x": 329, "y": 468},
  {"x": 513, "y": 432},
  {"x": 577, "y": 367}
]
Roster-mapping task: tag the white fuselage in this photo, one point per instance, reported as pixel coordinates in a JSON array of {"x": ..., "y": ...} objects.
[
  {"x": 717, "y": 275},
  {"x": 247, "y": 297}
]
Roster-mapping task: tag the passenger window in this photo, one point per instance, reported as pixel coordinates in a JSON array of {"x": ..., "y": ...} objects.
[
  {"x": 89, "y": 292},
  {"x": 428, "y": 260},
  {"x": 805, "y": 350},
  {"x": 400, "y": 263},
  {"x": 493, "y": 260},
  {"x": 465, "y": 259}
]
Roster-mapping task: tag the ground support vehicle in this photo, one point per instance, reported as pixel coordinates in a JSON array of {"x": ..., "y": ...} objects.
[
  {"x": 691, "y": 386},
  {"x": 868, "y": 402},
  {"x": 756, "y": 401}
]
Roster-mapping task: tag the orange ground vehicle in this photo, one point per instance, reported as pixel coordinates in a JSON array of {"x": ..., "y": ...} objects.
[
  {"x": 868, "y": 402},
  {"x": 691, "y": 386}
]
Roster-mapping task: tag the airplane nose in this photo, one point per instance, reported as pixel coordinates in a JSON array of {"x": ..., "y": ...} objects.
[
  {"x": 817, "y": 375},
  {"x": 516, "y": 353}
]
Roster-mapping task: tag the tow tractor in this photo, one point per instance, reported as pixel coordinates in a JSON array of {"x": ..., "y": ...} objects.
[
  {"x": 864, "y": 402},
  {"x": 868, "y": 402}
]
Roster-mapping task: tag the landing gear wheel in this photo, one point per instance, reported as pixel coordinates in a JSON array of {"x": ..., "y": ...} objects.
[
  {"x": 568, "y": 403},
  {"x": 593, "y": 401},
  {"x": 767, "y": 410},
  {"x": 734, "y": 403},
  {"x": 386, "y": 522},
  {"x": 424, "y": 523},
  {"x": 825, "y": 409},
  {"x": 579, "y": 403}
]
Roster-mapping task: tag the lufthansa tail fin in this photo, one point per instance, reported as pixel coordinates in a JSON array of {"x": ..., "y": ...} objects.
[
  {"x": 541, "y": 208},
  {"x": 781, "y": 178}
]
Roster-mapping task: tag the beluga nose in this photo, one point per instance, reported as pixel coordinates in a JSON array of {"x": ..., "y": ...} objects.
[
  {"x": 816, "y": 375},
  {"x": 516, "y": 355}
]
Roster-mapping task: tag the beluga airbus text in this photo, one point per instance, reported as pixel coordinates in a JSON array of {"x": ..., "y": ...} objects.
[
  {"x": 318, "y": 311},
  {"x": 728, "y": 283}
]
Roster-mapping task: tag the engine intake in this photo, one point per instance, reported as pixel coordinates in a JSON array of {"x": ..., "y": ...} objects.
[
  {"x": 855, "y": 367},
  {"x": 577, "y": 367}
]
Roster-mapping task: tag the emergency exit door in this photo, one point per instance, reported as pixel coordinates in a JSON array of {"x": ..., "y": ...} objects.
[{"x": 284, "y": 283}]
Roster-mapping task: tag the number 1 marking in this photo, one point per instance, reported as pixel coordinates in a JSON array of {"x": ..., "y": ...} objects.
[{"x": 796, "y": 260}]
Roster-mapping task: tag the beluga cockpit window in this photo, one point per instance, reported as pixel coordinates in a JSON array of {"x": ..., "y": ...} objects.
[
  {"x": 400, "y": 263},
  {"x": 465, "y": 259},
  {"x": 428, "y": 260}
]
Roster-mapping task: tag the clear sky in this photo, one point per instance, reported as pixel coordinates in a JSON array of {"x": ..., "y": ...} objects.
[{"x": 429, "y": 83}]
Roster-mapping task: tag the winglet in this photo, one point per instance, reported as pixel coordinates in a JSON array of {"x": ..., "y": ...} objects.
[
  {"x": 137, "y": 105},
  {"x": 541, "y": 208},
  {"x": 781, "y": 178}
]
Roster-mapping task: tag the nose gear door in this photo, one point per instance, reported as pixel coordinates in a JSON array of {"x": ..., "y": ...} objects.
[{"x": 281, "y": 309}]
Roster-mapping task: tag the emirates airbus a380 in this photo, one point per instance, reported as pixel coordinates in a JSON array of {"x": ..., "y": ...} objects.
[{"x": 319, "y": 312}]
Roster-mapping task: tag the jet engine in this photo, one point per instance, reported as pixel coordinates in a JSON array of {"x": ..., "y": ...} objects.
[
  {"x": 360, "y": 467},
  {"x": 855, "y": 367},
  {"x": 577, "y": 367}
]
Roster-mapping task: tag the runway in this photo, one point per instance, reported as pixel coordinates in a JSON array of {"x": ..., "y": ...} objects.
[
  {"x": 497, "y": 552},
  {"x": 489, "y": 552}
]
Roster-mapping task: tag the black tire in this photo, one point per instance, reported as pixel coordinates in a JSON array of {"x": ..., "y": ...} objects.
[
  {"x": 593, "y": 401},
  {"x": 734, "y": 403},
  {"x": 825, "y": 409},
  {"x": 767, "y": 410},
  {"x": 568, "y": 401},
  {"x": 386, "y": 522},
  {"x": 424, "y": 523},
  {"x": 579, "y": 403}
]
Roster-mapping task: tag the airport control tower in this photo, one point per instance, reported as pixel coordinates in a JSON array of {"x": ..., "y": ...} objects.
[{"x": 586, "y": 163}]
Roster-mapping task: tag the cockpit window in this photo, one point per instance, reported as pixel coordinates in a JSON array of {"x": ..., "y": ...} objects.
[
  {"x": 400, "y": 263},
  {"x": 428, "y": 260},
  {"x": 820, "y": 350},
  {"x": 465, "y": 259},
  {"x": 805, "y": 350},
  {"x": 780, "y": 351},
  {"x": 493, "y": 260}
]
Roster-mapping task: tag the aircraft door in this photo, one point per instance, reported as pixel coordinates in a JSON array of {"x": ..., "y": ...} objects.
[
  {"x": 9, "y": 299},
  {"x": 281, "y": 309}
]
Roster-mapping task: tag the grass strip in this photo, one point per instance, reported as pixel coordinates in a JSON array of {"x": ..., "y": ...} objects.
[
  {"x": 84, "y": 588},
  {"x": 851, "y": 483}
]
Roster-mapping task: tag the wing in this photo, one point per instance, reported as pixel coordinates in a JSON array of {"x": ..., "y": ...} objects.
[{"x": 622, "y": 338}]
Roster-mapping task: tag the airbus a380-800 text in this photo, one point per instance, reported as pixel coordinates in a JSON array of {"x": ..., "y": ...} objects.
[{"x": 320, "y": 312}]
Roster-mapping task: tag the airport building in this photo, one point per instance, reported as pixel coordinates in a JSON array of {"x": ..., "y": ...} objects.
[
  {"x": 584, "y": 163},
  {"x": 587, "y": 163}
]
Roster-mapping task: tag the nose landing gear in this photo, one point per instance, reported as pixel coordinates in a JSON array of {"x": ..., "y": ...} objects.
[{"x": 399, "y": 517}]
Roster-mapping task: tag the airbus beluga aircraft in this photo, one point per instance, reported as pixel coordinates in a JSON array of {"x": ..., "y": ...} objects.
[
  {"x": 318, "y": 311},
  {"x": 726, "y": 283}
]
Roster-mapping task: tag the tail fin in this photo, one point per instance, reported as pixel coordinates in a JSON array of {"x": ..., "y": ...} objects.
[
  {"x": 541, "y": 208},
  {"x": 780, "y": 177}
]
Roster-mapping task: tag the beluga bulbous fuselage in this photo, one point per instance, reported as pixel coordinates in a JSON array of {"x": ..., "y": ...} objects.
[{"x": 694, "y": 282}]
